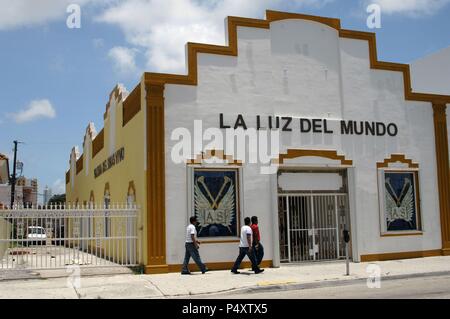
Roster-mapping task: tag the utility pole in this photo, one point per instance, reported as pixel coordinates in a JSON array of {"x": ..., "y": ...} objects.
[{"x": 13, "y": 177}]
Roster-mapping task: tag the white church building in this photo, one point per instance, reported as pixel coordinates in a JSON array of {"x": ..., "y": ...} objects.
[{"x": 361, "y": 145}]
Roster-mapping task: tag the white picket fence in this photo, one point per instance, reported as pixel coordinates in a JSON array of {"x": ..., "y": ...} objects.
[{"x": 63, "y": 235}]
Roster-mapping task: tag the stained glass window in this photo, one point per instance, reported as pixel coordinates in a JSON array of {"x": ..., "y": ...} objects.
[
  {"x": 401, "y": 209},
  {"x": 216, "y": 202}
]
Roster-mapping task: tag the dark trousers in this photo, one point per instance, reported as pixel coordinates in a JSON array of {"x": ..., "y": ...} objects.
[
  {"x": 192, "y": 251},
  {"x": 258, "y": 253},
  {"x": 242, "y": 252}
]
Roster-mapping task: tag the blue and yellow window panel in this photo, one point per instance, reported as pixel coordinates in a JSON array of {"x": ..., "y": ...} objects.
[
  {"x": 216, "y": 202},
  {"x": 401, "y": 209}
]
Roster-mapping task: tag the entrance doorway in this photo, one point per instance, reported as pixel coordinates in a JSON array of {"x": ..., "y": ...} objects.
[{"x": 312, "y": 212}]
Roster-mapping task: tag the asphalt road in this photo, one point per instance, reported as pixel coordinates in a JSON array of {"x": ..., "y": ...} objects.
[{"x": 421, "y": 287}]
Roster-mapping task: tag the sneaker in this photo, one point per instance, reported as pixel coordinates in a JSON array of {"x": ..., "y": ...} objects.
[
  {"x": 205, "y": 270},
  {"x": 258, "y": 271},
  {"x": 185, "y": 273},
  {"x": 235, "y": 272}
]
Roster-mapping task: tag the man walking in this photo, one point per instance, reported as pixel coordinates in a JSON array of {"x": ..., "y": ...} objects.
[
  {"x": 245, "y": 248},
  {"x": 192, "y": 245},
  {"x": 258, "y": 249}
]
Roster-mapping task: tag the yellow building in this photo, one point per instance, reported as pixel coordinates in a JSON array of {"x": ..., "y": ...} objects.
[
  {"x": 355, "y": 137},
  {"x": 110, "y": 170}
]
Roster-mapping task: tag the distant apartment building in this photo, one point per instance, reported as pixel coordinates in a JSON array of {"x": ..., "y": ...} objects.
[
  {"x": 30, "y": 190},
  {"x": 47, "y": 195}
]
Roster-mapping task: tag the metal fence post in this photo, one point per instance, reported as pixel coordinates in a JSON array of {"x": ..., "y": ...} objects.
[{"x": 347, "y": 261}]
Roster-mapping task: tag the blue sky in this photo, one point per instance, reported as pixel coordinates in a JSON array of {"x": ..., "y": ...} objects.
[{"x": 55, "y": 80}]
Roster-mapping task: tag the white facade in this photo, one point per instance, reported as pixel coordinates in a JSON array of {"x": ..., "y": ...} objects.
[{"x": 303, "y": 69}]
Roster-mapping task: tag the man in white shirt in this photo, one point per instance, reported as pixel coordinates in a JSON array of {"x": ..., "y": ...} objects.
[
  {"x": 245, "y": 248},
  {"x": 192, "y": 245}
]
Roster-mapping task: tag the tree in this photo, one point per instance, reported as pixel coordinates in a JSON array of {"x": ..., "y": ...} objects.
[{"x": 57, "y": 199}]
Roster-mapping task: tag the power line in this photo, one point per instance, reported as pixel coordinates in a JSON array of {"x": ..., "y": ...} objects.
[{"x": 50, "y": 143}]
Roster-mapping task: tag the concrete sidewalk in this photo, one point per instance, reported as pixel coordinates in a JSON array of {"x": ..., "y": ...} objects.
[{"x": 176, "y": 285}]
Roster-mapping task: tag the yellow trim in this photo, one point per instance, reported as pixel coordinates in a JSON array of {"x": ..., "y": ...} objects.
[
  {"x": 156, "y": 197},
  {"x": 231, "y": 50},
  {"x": 131, "y": 189},
  {"x": 98, "y": 142},
  {"x": 396, "y": 158},
  {"x": 277, "y": 15},
  {"x": 399, "y": 234},
  {"x": 400, "y": 255},
  {"x": 220, "y": 154},
  {"x": 330, "y": 154},
  {"x": 443, "y": 171},
  {"x": 131, "y": 105},
  {"x": 157, "y": 269},
  {"x": 79, "y": 164}
]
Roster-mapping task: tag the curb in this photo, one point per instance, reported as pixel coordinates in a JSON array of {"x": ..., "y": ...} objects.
[
  {"x": 325, "y": 283},
  {"x": 36, "y": 275}
]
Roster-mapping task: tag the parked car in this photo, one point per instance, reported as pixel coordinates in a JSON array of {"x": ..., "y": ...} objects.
[{"x": 36, "y": 235}]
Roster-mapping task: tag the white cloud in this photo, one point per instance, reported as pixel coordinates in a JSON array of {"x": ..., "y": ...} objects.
[
  {"x": 58, "y": 187},
  {"x": 21, "y": 13},
  {"x": 162, "y": 27},
  {"x": 410, "y": 7},
  {"x": 159, "y": 27},
  {"x": 124, "y": 60},
  {"x": 35, "y": 110}
]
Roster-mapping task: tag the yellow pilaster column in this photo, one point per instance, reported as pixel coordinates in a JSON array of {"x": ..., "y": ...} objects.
[
  {"x": 443, "y": 170},
  {"x": 156, "y": 210}
]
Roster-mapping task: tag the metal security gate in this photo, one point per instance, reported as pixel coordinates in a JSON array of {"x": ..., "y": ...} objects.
[
  {"x": 62, "y": 236},
  {"x": 311, "y": 226}
]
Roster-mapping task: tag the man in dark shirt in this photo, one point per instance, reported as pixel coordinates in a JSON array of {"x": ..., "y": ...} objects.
[{"x": 258, "y": 249}]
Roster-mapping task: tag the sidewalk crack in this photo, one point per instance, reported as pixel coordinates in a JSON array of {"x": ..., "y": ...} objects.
[{"x": 157, "y": 288}]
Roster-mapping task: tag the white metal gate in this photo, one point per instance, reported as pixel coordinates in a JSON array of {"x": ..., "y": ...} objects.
[
  {"x": 311, "y": 226},
  {"x": 61, "y": 236}
]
